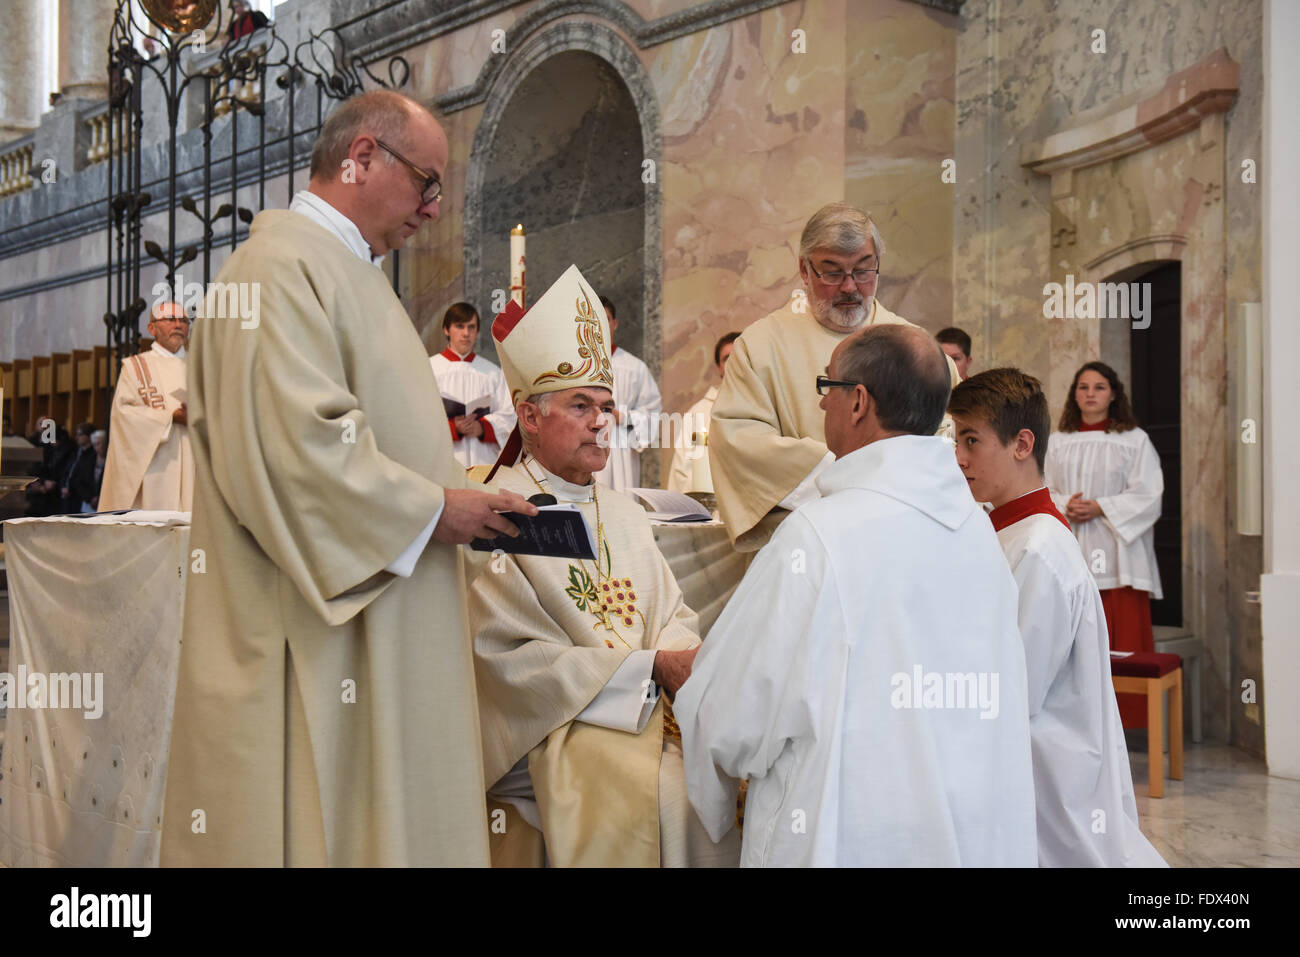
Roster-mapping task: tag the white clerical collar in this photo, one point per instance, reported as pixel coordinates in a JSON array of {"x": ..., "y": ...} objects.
[
  {"x": 562, "y": 490},
  {"x": 323, "y": 214},
  {"x": 162, "y": 351}
]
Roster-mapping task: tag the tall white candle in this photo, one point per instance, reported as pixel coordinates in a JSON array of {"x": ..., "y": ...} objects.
[{"x": 517, "y": 286}]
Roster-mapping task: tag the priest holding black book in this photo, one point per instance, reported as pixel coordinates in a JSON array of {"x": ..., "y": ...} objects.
[{"x": 576, "y": 660}]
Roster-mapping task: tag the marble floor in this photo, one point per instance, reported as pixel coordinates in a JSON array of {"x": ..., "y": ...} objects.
[{"x": 1226, "y": 812}]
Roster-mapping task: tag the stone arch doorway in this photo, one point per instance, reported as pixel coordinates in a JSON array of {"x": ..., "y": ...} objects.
[
  {"x": 565, "y": 161},
  {"x": 495, "y": 87}
]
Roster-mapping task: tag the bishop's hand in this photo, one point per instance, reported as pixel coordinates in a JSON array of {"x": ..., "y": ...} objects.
[
  {"x": 672, "y": 668},
  {"x": 468, "y": 514}
]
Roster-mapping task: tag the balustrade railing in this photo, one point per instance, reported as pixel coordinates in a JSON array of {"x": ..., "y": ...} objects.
[
  {"x": 97, "y": 121},
  {"x": 16, "y": 166}
]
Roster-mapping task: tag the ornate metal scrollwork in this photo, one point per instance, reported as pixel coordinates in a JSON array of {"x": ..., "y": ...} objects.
[{"x": 170, "y": 48}]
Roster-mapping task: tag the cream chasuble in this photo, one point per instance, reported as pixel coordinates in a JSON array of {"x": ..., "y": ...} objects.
[
  {"x": 149, "y": 463},
  {"x": 549, "y": 635},
  {"x": 325, "y": 706},
  {"x": 767, "y": 434}
]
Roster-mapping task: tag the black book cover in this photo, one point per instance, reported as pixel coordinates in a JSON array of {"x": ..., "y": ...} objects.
[
  {"x": 454, "y": 408},
  {"x": 558, "y": 531}
]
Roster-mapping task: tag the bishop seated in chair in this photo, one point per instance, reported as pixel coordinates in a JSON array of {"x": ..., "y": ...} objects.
[{"x": 576, "y": 660}]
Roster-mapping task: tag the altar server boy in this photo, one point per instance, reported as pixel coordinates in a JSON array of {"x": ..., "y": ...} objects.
[{"x": 1087, "y": 816}]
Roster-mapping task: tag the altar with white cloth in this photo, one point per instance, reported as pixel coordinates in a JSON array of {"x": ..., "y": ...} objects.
[
  {"x": 104, "y": 595},
  {"x": 95, "y": 607},
  {"x": 706, "y": 566}
]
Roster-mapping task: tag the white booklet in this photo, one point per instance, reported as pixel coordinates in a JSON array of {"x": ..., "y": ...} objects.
[{"x": 666, "y": 506}]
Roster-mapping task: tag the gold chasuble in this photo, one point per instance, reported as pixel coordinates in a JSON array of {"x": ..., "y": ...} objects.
[
  {"x": 574, "y": 735},
  {"x": 767, "y": 433},
  {"x": 549, "y": 633},
  {"x": 325, "y": 707}
]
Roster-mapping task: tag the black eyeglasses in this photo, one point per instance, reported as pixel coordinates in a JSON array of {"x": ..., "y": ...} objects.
[
  {"x": 431, "y": 191},
  {"x": 825, "y": 382},
  {"x": 835, "y": 277}
]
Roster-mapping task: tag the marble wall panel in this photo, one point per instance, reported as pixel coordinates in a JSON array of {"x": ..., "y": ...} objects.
[
  {"x": 753, "y": 143},
  {"x": 1026, "y": 69},
  {"x": 758, "y": 136},
  {"x": 900, "y": 98}
]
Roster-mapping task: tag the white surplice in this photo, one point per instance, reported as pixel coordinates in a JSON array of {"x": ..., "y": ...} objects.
[
  {"x": 894, "y": 578},
  {"x": 1087, "y": 816},
  {"x": 637, "y": 395},
  {"x": 149, "y": 463},
  {"x": 1121, "y": 471},
  {"x": 465, "y": 378},
  {"x": 690, "y": 471}
]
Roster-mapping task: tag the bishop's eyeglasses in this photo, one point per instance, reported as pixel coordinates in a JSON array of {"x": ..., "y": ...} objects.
[
  {"x": 432, "y": 188},
  {"x": 835, "y": 277}
]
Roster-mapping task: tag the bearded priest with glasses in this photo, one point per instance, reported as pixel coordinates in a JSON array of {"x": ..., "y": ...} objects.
[
  {"x": 767, "y": 445},
  {"x": 577, "y": 659}
]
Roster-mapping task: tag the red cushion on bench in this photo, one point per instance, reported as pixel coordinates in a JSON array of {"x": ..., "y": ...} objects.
[{"x": 1145, "y": 664}]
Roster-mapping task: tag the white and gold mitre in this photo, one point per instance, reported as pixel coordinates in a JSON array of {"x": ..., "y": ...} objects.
[{"x": 560, "y": 342}]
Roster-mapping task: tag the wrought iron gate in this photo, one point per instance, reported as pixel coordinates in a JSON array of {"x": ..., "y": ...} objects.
[{"x": 229, "y": 81}]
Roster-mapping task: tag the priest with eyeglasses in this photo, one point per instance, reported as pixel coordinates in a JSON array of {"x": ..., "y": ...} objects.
[{"x": 766, "y": 444}]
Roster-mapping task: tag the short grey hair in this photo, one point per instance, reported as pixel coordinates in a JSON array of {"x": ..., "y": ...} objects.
[
  {"x": 99, "y": 434},
  {"x": 906, "y": 373},
  {"x": 841, "y": 228},
  {"x": 543, "y": 403},
  {"x": 383, "y": 114}
]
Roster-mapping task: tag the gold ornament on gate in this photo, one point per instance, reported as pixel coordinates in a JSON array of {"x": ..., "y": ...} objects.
[{"x": 180, "y": 16}]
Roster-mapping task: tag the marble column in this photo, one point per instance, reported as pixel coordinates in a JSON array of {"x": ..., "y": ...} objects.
[
  {"x": 1280, "y": 583},
  {"x": 22, "y": 53},
  {"x": 84, "y": 26}
]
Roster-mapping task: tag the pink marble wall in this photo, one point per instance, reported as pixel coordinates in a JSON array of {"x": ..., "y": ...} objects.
[
  {"x": 433, "y": 265},
  {"x": 1026, "y": 71},
  {"x": 758, "y": 136}
]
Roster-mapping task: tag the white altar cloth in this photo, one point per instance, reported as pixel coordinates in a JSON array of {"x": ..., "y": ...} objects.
[
  {"x": 98, "y": 595},
  {"x": 105, "y": 594}
]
